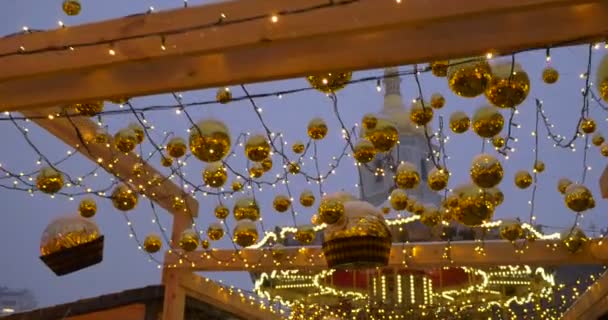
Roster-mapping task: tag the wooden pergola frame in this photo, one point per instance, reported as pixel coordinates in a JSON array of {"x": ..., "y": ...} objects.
[{"x": 359, "y": 35}]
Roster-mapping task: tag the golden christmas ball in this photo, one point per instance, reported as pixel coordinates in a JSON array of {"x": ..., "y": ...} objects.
[
  {"x": 257, "y": 148},
  {"x": 246, "y": 208},
  {"x": 266, "y": 164},
  {"x": 293, "y": 167},
  {"x": 329, "y": 82},
  {"x": 469, "y": 77},
  {"x": 120, "y": 100},
  {"x": 125, "y": 140},
  {"x": 49, "y": 180},
  {"x": 431, "y": 216},
  {"x": 486, "y": 171},
  {"x": 177, "y": 147},
  {"x": 602, "y": 78},
  {"x": 498, "y": 142},
  {"x": 511, "y": 230},
  {"x": 123, "y": 198},
  {"x": 597, "y": 139},
  {"x": 496, "y": 196},
  {"x": 369, "y": 121},
  {"x": 331, "y": 210},
  {"x": 604, "y": 149},
  {"x": 573, "y": 239},
  {"x": 209, "y": 140},
  {"x": 215, "y": 231},
  {"x": 384, "y": 136},
  {"x": 523, "y": 179},
  {"x": 438, "y": 179},
  {"x": 166, "y": 161},
  {"x": 89, "y": 109},
  {"x": 451, "y": 201},
  {"x": 101, "y": 136},
  {"x": 364, "y": 151},
  {"x": 298, "y": 147},
  {"x": 205, "y": 244},
  {"x": 398, "y": 199},
  {"x": 223, "y": 95},
  {"x": 550, "y": 75},
  {"x": 418, "y": 208},
  {"x": 152, "y": 243},
  {"x": 407, "y": 176},
  {"x": 221, "y": 211},
  {"x": 140, "y": 133},
  {"x": 437, "y": 101},
  {"x": 305, "y": 235},
  {"x": 67, "y": 232},
  {"x": 215, "y": 175},
  {"x": 578, "y": 198},
  {"x": 71, "y": 7},
  {"x": 440, "y": 68},
  {"x": 487, "y": 122},
  {"x": 459, "y": 122},
  {"x": 178, "y": 204},
  {"x": 281, "y": 203},
  {"x": 307, "y": 198},
  {"x": 237, "y": 186},
  {"x": 562, "y": 184},
  {"x": 256, "y": 171},
  {"x": 539, "y": 166},
  {"x": 188, "y": 240},
  {"x": 509, "y": 86},
  {"x": 245, "y": 233},
  {"x": 87, "y": 208},
  {"x": 474, "y": 207},
  {"x": 317, "y": 129},
  {"x": 314, "y": 219},
  {"x": 386, "y": 210},
  {"x": 421, "y": 113},
  {"x": 588, "y": 126}
]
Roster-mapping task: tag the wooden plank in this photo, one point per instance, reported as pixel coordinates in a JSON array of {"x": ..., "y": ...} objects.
[
  {"x": 604, "y": 183},
  {"x": 110, "y": 159},
  {"x": 129, "y": 312},
  {"x": 174, "y": 302},
  {"x": 414, "y": 255},
  {"x": 592, "y": 304},
  {"x": 362, "y": 35}
]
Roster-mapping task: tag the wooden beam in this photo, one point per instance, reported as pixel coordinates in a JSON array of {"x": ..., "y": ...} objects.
[
  {"x": 592, "y": 304},
  {"x": 131, "y": 312},
  {"x": 413, "y": 255},
  {"x": 174, "y": 302},
  {"x": 360, "y": 35},
  {"x": 604, "y": 183},
  {"x": 113, "y": 161}
]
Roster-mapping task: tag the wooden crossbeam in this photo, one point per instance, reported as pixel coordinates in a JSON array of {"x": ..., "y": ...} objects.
[
  {"x": 413, "y": 255},
  {"x": 361, "y": 35},
  {"x": 592, "y": 304}
]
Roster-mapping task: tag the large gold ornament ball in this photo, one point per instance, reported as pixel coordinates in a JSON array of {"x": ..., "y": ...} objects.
[
  {"x": 511, "y": 230},
  {"x": 597, "y": 139},
  {"x": 459, "y": 122},
  {"x": 221, "y": 212},
  {"x": 475, "y": 207},
  {"x": 329, "y": 82},
  {"x": 177, "y": 147},
  {"x": 246, "y": 208},
  {"x": 298, "y": 147},
  {"x": 223, "y": 95},
  {"x": 123, "y": 198},
  {"x": 421, "y": 112},
  {"x": 257, "y": 148},
  {"x": 71, "y": 7},
  {"x": 496, "y": 196},
  {"x": 523, "y": 179},
  {"x": 438, "y": 179},
  {"x": 281, "y": 203},
  {"x": 210, "y": 140},
  {"x": 407, "y": 176},
  {"x": 317, "y": 129},
  {"x": 89, "y": 109},
  {"x": 215, "y": 175},
  {"x": 266, "y": 164},
  {"x": 440, "y": 68},
  {"x": 487, "y": 121},
  {"x": 562, "y": 185},
  {"x": 256, "y": 171},
  {"x": 215, "y": 231},
  {"x": 469, "y": 77},
  {"x": 578, "y": 198},
  {"x": 293, "y": 167},
  {"x": 152, "y": 243},
  {"x": 588, "y": 126},
  {"x": 331, "y": 210},
  {"x": 437, "y": 101},
  {"x": 486, "y": 171},
  {"x": 307, "y": 198},
  {"x": 369, "y": 121},
  {"x": 384, "y": 136},
  {"x": 498, "y": 142},
  {"x": 539, "y": 166},
  {"x": 364, "y": 151},
  {"x": 87, "y": 208},
  {"x": 125, "y": 140},
  {"x": 550, "y": 75},
  {"x": 305, "y": 234},
  {"x": 140, "y": 133},
  {"x": 573, "y": 239},
  {"x": 67, "y": 232},
  {"x": 49, "y": 180},
  {"x": 431, "y": 216},
  {"x": 398, "y": 199},
  {"x": 245, "y": 233},
  {"x": 604, "y": 149},
  {"x": 509, "y": 86},
  {"x": 188, "y": 240}
]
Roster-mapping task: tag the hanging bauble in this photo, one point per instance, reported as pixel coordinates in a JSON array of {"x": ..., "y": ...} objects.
[
  {"x": 293, "y": 167},
  {"x": 140, "y": 133},
  {"x": 410, "y": 205},
  {"x": 329, "y": 82},
  {"x": 398, "y": 199},
  {"x": 223, "y": 95},
  {"x": 237, "y": 186},
  {"x": 278, "y": 251},
  {"x": 209, "y": 140},
  {"x": 152, "y": 243},
  {"x": 550, "y": 75},
  {"x": 266, "y": 164},
  {"x": 246, "y": 208},
  {"x": 369, "y": 121},
  {"x": 459, "y": 122},
  {"x": 602, "y": 78},
  {"x": 418, "y": 208},
  {"x": 298, "y": 147},
  {"x": 588, "y": 126},
  {"x": 205, "y": 244},
  {"x": 305, "y": 234},
  {"x": 431, "y": 216},
  {"x": 331, "y": 210},
  {"x": 597, "y": 139},
  {"x": 178, "y": 203},
  {"x": 474, "y": 207},
  {"x": 123, "y": 198},
  {"x": 166, "y": 161},
  {"x": 102, "y": 136},
  {"x": 384, "y": 136},
  {"x": 498, "y": 142},
  {"x": 386, "y": 210},
  {"x": 604, "y": 149},
  {"x": 281, "y": 203},
  {"x": 604, "y": 90},
  {"x": 578, "y": 198},
  {"x": 438, "y": 179},
  {"x": 486, "y": 171},
  {"x": 407, "y": 176},
  {"x": 221, "y": 211},
  {"x": 511, "y": 230},
  {"x": 49, "y": 180},
  {"x": 119, "y": 100},
  {"x": 256, "y": 171},
  {"x": 562, "y": 184},
  {"x": 421, "y": 112},
  {"x": 315, "y": 220},
  {"x": 215, "y": 231},
  {"x": 364, "y": 151},
  {"x": 523, "y": 179},
  {"x": 437, "y": 101},
  {"x": 539, "y": 166},
  {"x": 573, "y": 239},
  {"x": 509, "y": 86},
  {"x": 125, "y": 140},
  {"x": 176, "y": 147},
  {"x": 469, "y": 77},
  {"x": 257, "y": 148},
  {"x": 440, "y": 68},
  {"x": 87, "y": 208},
  {"x": 487, "y": 121},
  {"x": 496, "y": 196},
  {"x": 307, "y": 198},
  {"x": 89, "y": 109},
  {"x": 215, "y": 175},
  {"x": 446, "y": 214},
  {"x": 451, "y": 201},
  {"x": 71, "y": 7},
  {"x": 188, "y": 240},
  {"x": 317, "y": 129}
]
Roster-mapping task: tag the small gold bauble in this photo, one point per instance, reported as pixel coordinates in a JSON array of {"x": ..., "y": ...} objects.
[
  {"x": 474, "y": 208},
  {"x": 210, "y": 140},
  {"x": 509, "y": 86},
  {"x": 578, "y": 198},
  {"x": 223, "y": 95},
  {"x": 438, "y": 179},
  {"x": 421, "y": 113},
  {"x": 178, "y": 203},
  {"x": 562, "y": 184},
  {"x": 188, "y": 240},
  {"x": 245, "y": 233},
  {"x": 102, "y": 137},
  {"x": 604, "y": 89},
  {"x": 539, "y": 166},
  {"x": 440, "y": 68},
  {"x": 496, "y": 196},
  {"x": 386, "y": 210},
  {"x": 604, "y": 149},
  {"x": 459, "y": 122},
  {"x": 511, "y": 230},
  {"x": 451, "y": 201},
  {"x": 215, "y": 175},
  {"x": 597, "y": 139},
  {"x": 486, "y": 171},
  {"x": 123, "y": 198},
  {"x": 177, "y": 147},
  {"x": 215, "y": 231},
  {"x": 418, "y": 208},
  {"x": 498, "y": 142},
  {"x": 431, "y": 216},
  {"x": 315, "y": 220},
  {"x": 140, "y": 133},
  {"x": 364, "y": 151},
  {"x": 152, "y": 243},
  {"x": 588, "y": 126},
  {"x": 49, "y": 180},
  {"x": 237, "y": 186},
  {"x": 573, "y": 239},
  {"x": 369, "y": 121},
  {"x": 281, "y": 203},
  {"x": 89, "y": 109},
  {"x": 437, "y": 101},
  {"x": 246, "y": 208},
  {"x": 317, "y": 129},
  {"x": 398, "y": 199},
  {"x": 297, "y": 147},
  {"x": 166, "y": 161},
  {"x": 305, "y": 235},
  {"x": 293, "y": 168},
  {"x": 550, "y": 75},
  {"x": 257, "y": 148},
  {"x": 221, "y": 212},
  {"x": 331, "y": 210},
  {"x": 71, "y": 7},
  {"x": 87, "y": 208},
  {"x": 384, "y": 136},
  {"x": 256, "y": 171},
  {"x": 125, "y": 140},
  {"x": 266, "y": 164},
  {"x": 488, "y": 122},
  {"x": 523, "y": 179},
  {"x": 329, "y": 82},
  {"x": 469, "y": 79},
  {"x": 307, "y": 198},
  {"x": 205, "y": 244},
  {"x": 407, "y": 176},
  {"x": 410, "y": 205}
]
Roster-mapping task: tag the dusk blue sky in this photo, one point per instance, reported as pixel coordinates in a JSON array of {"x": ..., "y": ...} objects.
[{"x": 125, "y": 266}]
